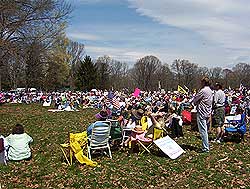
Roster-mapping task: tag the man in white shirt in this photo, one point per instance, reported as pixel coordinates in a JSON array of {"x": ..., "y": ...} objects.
[{"x": 219, "y": 112}]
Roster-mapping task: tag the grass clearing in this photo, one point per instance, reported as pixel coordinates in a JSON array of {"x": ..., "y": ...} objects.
[{"x": 226, "y": 166}]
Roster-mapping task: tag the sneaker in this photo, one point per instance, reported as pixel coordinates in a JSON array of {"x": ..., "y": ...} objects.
[
  {"x": 216, "y": 141},
  {"x": 203, "y": 151},
  {"x": 213, "y": 141}
]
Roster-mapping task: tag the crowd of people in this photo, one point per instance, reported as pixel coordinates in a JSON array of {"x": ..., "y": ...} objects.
[{"x": 163, "y": 110}]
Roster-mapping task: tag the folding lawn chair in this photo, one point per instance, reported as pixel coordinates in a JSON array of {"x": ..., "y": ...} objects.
[
  {"x": 100, "y": 136},
  {"x": 145, "y": 122},
  {"x": 125, "y": 134},
  {"x": 76, "y": 146},
  {"x": 236, "y": 126},
  {"x": 157, "y": 134},
  {"x": 126, "y": 131},
  {"x": 115, "y": 131}
]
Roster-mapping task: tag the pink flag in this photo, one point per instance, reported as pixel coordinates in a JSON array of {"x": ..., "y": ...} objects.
[{"x": 137, "y": 92}]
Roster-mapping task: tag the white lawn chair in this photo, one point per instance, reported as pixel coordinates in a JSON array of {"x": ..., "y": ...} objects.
[
  {"x": 126, "y": 131},
  {"x": 126, "y": 134},
  {"x": 100, "y": 136}
]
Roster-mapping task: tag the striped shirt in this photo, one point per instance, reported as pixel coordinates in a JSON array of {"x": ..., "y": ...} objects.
[{"x": 204, "y": 100}]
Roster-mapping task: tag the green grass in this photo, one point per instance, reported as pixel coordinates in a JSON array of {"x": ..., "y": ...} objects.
[{"x": 126, "y": 170}]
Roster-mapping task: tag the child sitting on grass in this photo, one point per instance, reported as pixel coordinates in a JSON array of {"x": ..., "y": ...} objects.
[{"x": 19, "y": 144}]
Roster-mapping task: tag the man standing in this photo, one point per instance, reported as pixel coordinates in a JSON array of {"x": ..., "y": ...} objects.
[
  {"x": 219, "y": 112},
  {"x": 203, "y": 100}
]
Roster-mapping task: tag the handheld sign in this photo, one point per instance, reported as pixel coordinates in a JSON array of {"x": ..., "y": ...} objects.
[{"x": 137, "y": 92}]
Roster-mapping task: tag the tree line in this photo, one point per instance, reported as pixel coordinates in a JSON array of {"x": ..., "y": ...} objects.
[
  {"x": 149, "y": 73},
  {"x": 35, "y": 52}
]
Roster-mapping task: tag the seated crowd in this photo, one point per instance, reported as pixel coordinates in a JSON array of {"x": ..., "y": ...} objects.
[{"x": 139, "y": 115}]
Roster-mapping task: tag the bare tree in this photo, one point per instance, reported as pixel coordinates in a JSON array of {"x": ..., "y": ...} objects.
[
  {"x": 165, "y": 77},
  {"x": 75, "y": 53},
  {"x": 215, "y": 74},
  {"x": 103, "y": 69},
  {"x": 228, "y": 76},
  {"x": 145, "y": 72},
  {"x": 185, "y": 72},
  {"x": 34, "y": 61},
  {"x": 118, "y": 74},
  {"x": 242, "y": 74}
]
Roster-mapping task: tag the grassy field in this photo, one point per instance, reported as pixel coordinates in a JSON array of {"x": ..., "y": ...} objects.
[{"x": 226, "y": 166}]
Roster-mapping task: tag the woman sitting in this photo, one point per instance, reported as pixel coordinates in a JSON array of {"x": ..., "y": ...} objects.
[
  {"x": 137, "y": 134},
  {"x": 102, "y": 116},
  {"x": 157, "y": 123},
  {"x": 19, "y": 144},
  {"x": 147, "y": 136}
]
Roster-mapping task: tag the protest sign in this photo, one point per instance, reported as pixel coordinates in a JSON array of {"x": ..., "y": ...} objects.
[
  {"x": 137, "y": 92},
  {"x": 169, "y": 147}
]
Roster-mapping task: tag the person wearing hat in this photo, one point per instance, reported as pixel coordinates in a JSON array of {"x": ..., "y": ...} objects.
[
  {"x": 102, "y": 116},
  {"x": 157, "y": 123},
  {"x": 147, "y": 135},
  {"x": 137, "y": 134},
  {"x": 219, "y": 112},
  {"x": 203, "y": 101},
  {"x": 137, "y": 114},
  {"x": 135, "y": 118}
]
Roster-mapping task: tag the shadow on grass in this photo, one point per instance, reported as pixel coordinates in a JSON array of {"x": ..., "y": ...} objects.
[
  {"x": 189, "y": 147},
  {"x": 210, "y": 138},
  {"x": 233, "y": 138}
]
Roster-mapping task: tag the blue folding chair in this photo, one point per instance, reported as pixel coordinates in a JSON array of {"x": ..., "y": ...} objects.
[{"x": 237, "y": 126}]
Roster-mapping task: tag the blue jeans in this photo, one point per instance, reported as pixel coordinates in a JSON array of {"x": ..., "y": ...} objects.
[{"x": 202, "y": 125}]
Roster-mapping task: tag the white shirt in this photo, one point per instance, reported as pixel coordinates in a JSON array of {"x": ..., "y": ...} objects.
[
  {"x": 19, "y": 146},
  {"x": 219, "y": 98}
]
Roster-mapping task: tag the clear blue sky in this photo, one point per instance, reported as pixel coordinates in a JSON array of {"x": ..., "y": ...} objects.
[{"x": 207, "y": 32}]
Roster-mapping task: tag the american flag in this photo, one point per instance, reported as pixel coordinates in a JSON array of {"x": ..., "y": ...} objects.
[{"x": 112, "y": 99}]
